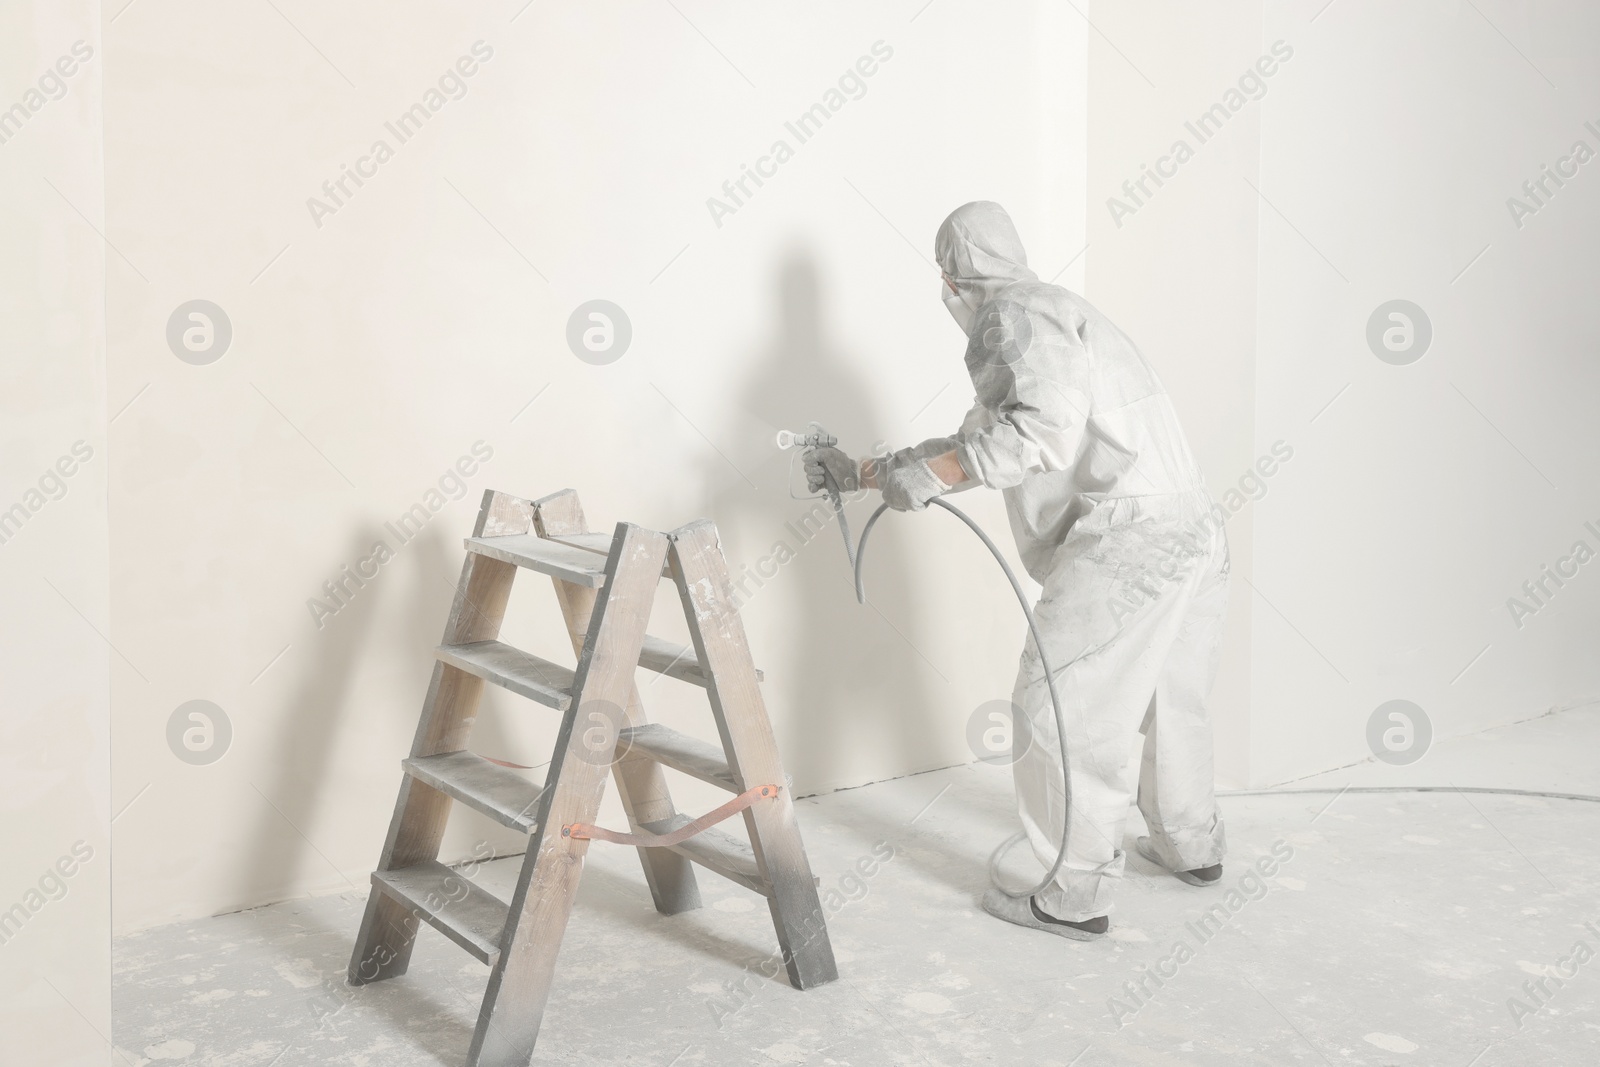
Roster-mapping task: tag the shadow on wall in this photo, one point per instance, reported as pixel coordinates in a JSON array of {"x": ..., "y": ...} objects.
[
  {"x": 853, "y": 704},
  {"x": 325, "y": 699}
]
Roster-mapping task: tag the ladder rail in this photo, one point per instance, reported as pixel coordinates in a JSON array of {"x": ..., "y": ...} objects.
[
  {"x": 519, "y": 983},
  {"x": 700, "y": 572},
  {"x": 388, "y": 927}
]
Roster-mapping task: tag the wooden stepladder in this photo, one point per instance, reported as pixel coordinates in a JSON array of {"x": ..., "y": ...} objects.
[{"x": 605, "y": 585}]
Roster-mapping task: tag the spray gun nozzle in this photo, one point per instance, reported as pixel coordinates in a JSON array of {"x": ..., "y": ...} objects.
[{"x": 789, "y": 439}]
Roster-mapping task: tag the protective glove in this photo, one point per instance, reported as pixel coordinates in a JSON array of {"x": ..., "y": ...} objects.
[
  {"x": 908, "y": 486},
  {"x": 845, "y": 471}
]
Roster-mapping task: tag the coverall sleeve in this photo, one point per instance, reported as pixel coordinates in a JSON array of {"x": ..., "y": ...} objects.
[{"x": 1031, "y": 379}]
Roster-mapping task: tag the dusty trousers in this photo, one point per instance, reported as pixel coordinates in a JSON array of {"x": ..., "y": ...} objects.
[{"x": 1131, "y": 619}]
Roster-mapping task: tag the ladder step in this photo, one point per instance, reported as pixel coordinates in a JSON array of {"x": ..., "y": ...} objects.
[
  {"x": 717, "y": 851},
  {"x": 681, "y": 752},
  {"x": 575, "y": 565},
  {"x": 674, "y": 661},
  {"x": 499, "y": 792},
  {"x": 595, "y": 544},
  {"x": 589, "y": 542},
  {"x": 451, "y": 903},
  {"x": 521, "y": 672}
]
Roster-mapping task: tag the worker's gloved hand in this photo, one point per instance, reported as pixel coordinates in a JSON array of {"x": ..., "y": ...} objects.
[
  {"x": 909, "y": 485},
  {"x": 845, "y": 471}
]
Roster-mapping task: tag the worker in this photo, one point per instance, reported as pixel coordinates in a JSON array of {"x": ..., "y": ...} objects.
[{"x": 1113, "y": 520}]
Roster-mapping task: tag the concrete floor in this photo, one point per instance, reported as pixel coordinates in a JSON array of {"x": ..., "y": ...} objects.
[{"x": 1402, "y": 929}]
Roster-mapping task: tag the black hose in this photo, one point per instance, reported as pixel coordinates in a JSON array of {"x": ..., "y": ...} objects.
[
  {"x": 1049, "y": 678},
  {"x": 1409, "y": 789},
  {"x": 831, "y": 487}
]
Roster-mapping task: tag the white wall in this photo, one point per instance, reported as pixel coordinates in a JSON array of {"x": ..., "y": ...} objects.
[
  {"x": 424, "y": 315},
  {"x": 1419, "y": 503},
  {"x": 55, "y": 814}
]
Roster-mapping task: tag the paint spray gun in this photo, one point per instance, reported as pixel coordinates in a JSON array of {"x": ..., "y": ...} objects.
[{"x": 816, "y": 437}]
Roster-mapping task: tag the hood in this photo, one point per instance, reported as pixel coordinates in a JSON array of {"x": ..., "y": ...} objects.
[{"x": 978, "y": 248}]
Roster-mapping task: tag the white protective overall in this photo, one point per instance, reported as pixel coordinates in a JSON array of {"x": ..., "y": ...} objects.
[{"x": 1112, "y": 518}]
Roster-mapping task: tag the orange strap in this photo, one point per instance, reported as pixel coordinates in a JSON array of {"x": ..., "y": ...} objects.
[
  {"x": 503, "y": 763},
  {"x": 585, "y": 832}
]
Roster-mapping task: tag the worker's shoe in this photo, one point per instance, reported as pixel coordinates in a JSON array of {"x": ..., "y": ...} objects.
[
  {"x": 1024, "y": 912},
  {"x": 1200, "y": 876}
]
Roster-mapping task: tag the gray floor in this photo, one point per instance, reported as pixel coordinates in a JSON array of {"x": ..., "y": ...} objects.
[{"x": 1402, "y": 929}]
